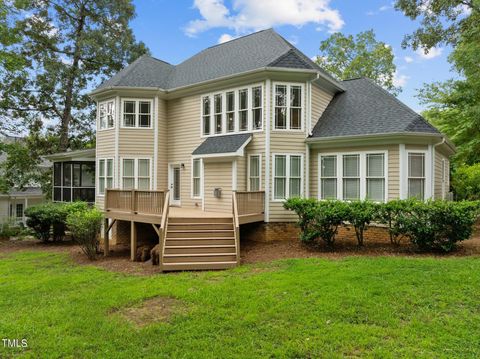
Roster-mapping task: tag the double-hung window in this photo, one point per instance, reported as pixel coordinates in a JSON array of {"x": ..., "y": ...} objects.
[
  {"x": 136, "y": 173},
  {"x": 106, "y": 114},
  {"x": 206, "y": 115},
  {"x": 257, "y": 108},
  {"x": 416, "y": 175},
  {"x": 288, "y": 178},
  {"x": 137, "y": 113},
  {"x": 375, "y": 179},
  {"x": 351, "y": 177},
  {"x": 328, "y": 177},
  {"x": 254, "y": 171},
  {"x": 243, "y": 109},
  {"x": 218, "y": 113},
  {"x": 19, "y": 210},
  {"x": 230, "y": 97},
  {"x": 288, "y": 107},
  {"x": 197, "y": 178},
  {"x": 105, "y": 175}
]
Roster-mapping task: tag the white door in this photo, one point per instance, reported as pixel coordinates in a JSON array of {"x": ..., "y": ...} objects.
[{"x": 175, "y": 181}]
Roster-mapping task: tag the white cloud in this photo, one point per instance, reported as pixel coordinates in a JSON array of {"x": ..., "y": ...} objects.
[
  {"x": 408, "y": 59},
  {"x": 379, "y": 10},
  {"x": 225, "y": 37},
  {"x": 253, "y": 15},
  {"x": 400, "y": 80},
  {"x": 432, "y": 53}
]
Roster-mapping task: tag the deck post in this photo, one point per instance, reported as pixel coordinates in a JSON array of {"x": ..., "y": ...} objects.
[
  {"x": 133, "y": 240},
  {"x": 106, "y": 243}
]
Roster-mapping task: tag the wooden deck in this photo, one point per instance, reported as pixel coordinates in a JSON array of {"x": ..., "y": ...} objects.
[{"x": 188, "y": 238}]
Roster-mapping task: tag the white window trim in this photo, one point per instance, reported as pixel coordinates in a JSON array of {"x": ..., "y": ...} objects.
[
  {"x": 259, "y": 155},
  {"x": 105, "y": 102},
  {"x": 135, "y": 171},
  {"x": 201, "y": 179},
  {"x": 363, "y": 172},
  {"x": 97, "y": 174},
  {"x": 302, "y": 119},
  {"x": 287, "y": 172},
  {"x": 320, "y": 177},
  {"x": 137, "y": 113},
  {"x": 426, "y": 178},
  {"x": 235, "y": 90},
  {"x": 404, "y": 170}
]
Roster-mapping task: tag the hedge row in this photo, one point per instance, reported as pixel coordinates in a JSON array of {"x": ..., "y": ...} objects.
[{"x": 430, "y": 225}]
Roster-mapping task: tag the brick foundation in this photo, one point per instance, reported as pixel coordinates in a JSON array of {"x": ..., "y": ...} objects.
[{"x": 266, "y": 232}]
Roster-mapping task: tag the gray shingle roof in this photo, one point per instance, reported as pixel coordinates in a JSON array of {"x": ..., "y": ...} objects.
[
  {"x": 222, "y": 144},
  {"x": 25, "y": 192},
  {"x": 365, "y": 108},
  {"x": 252, "y": 52}
]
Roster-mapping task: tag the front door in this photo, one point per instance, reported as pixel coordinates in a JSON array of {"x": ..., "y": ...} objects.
[{"x": 175, "y": 182}]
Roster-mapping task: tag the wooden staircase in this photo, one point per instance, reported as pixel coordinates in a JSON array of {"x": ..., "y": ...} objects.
[{"x": 199, "y": 243}]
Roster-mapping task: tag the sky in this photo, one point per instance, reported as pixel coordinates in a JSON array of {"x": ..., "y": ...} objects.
[{"x": 177, "y": 29}]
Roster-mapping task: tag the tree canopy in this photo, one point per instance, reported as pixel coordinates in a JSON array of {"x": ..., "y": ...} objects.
[{"x": 362, "y": 55}]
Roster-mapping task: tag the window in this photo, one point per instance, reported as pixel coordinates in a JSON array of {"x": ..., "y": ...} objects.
[
  {"x": 137, "y": 113},
  {"x": 376, "y": 177},
  {"x": 230, "y": 111},
  {"x": 19, "y": 210},
  {"x": 254, "y": 170},
  {"x": 288, "y": 107},
  {"x": 206, "y": 115},
  {"x": 416, "y": 175},
  {"x": 287, "y": 181},
  {"x": 136, "y": 173},
  {"x": 243, "y": 110},
  {"x": 106, "y": 115},
  {"x": 257, "y": 108},
  {"x": 235, "y": 110},
  {"x": 74, "y": 181},
  {"x": 328, "y": 177},
  {"x": 218, "y": 113},
  {"x": 351, "y": 177},
  {"x": 105, "y": 175},
  {"x": 196, "y": 178}
]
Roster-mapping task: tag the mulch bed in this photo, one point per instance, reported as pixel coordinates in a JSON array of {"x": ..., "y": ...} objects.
[{"x": 251, "y": 252}]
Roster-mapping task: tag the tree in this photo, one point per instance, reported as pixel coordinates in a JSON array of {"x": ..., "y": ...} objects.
[
  {"x": 360, "y": 56},
  {"x": 67, "y": 47}
]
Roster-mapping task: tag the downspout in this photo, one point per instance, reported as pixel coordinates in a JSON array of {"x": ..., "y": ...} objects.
[{"x": 309, "y": 133}]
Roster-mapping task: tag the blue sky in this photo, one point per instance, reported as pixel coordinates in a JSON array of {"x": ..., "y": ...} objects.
[{"x": 175, "y": 30}]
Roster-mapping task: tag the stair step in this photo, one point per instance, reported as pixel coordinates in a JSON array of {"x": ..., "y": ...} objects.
[
  {"x": 198, "y": 266},
  {"x": 200, "y": 233},
  {"x": 230, "y": 249},
  {"x": 182, "y": 220},
  {"x": 199, "y": 257},
  {"x": 200, "y": 226},
  {"x": 197, "y": 254},
  {"x": 203, "y": 246},
  {"x": 198, "y": 241}
]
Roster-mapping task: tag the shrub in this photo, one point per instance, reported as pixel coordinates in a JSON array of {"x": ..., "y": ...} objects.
[
  {"x": 360, "y": 214},
  {"x": 466, "y": 182},
  {"x": 328, "y": 216},
  {"x": 394, "y": 215},
  {"x": 304, "y": 208},
  {"x": 85, "y": 227},
  {"x": 439, "y": 225},
  {"x": 9, "y": 229}
]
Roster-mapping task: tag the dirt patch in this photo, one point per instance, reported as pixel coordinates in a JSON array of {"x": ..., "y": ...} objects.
[{"x": 150, "y": 311}]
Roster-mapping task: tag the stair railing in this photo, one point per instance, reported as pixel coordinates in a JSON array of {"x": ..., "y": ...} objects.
[
  {"x": 163, "y": 227},
  {"x": 236, "y": 225}
]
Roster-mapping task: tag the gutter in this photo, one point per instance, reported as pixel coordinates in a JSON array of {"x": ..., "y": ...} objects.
[{"x": 370, "y": 136}]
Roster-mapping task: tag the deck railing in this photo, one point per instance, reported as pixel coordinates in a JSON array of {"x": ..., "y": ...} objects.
[
  {"x": 250, "y": 203},
  {"x": 134, "y": 201}
]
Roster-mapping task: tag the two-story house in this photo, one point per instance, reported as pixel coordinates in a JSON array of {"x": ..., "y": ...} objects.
[{"x": 235, "y": 130}]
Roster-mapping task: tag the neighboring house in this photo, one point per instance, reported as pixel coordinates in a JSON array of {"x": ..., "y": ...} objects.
[
  {"x": 257, "y": 117},
  {"x": 14, "y": 203},
  {"x": 73, "y": 176}
]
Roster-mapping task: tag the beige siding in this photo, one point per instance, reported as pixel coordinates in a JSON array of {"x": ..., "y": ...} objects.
[
  {"x": 218, "y": 175},
  {"x": 242, "y": 173},
  {"x": 320, "y": 101},
  {"x": 393, "y": 166},
  {"x": 438, "y": 178}
]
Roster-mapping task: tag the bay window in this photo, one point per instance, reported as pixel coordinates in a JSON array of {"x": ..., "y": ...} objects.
[
  {"x": 254, "y": 170},
  {"x": 136, "y": 113},
  {"x": 288, "y": 107},
  {"x": 196, "y": 178},
  {"x": 218, "y": 113},
  {"x": 105, "y": 175},
  {"x": 136, "y": 173},
  {"x": 375, "y": 177},
  {"x": 257, "y": 108},
  {"x": 243, "y": 110},
  {"x": 288, "y": 176},
  {"x": 106, "y": 112},
  {"x": 416, "y": 175},
  {"x": 230, "y": 111}
]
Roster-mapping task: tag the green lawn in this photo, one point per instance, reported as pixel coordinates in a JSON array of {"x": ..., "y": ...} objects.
[{"x": 378, "y": 307}]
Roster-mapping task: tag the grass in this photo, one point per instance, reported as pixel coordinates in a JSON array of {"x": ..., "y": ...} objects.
[{"x": 365, "y": 307}]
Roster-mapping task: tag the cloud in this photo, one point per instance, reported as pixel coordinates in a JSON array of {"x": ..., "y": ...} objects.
[
  {"x": 379, "y": 10},
  {"x": 400, "y": 80},
  {"x": 408, "y": 59},
  {"x": 253, "y": 15},
  {"x": 432, "y": 53},
  {"x": 225, "y": 37}
]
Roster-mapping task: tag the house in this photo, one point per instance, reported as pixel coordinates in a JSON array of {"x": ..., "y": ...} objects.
[
  {"x": 73, "y": 176},
  {"x": 14, "y": 203},
  {"x": 198, "y": 150}
]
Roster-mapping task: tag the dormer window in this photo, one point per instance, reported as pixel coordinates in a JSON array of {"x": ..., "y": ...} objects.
[
  {"x": 106, "y": 114},
  {"x": 137, "y": 113}
]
